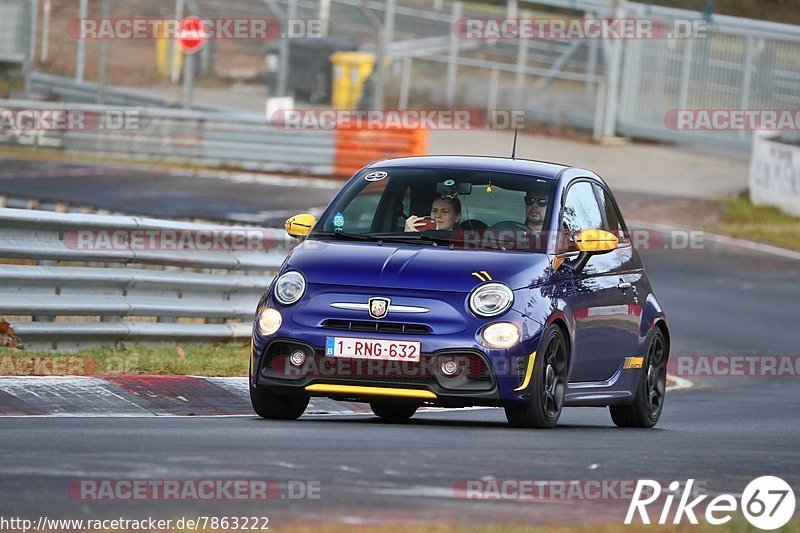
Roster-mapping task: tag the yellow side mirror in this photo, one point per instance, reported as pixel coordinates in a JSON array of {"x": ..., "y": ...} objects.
[
  {"x": 299, "y": 226},
  {"x": 596, "y": 241}
]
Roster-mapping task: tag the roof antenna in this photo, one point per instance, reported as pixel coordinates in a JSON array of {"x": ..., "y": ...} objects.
[{"x": 514, "y": 148}]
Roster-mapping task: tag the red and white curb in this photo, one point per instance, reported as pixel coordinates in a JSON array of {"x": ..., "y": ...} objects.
[{"x": 139, "y": 395}]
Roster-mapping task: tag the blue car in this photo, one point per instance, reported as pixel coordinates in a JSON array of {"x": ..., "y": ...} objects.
[{"x": 463, "y": 281}]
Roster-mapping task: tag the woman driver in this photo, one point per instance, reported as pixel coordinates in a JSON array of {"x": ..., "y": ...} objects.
[{"x": 445, "y": 211}]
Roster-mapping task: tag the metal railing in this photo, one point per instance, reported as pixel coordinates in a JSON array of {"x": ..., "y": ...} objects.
[
  {"x": 739, "y": 64},
  {"x": 133, "y": 276},
  {"x": 179, "y": 136},
  {"x": 69, "y": 90}
]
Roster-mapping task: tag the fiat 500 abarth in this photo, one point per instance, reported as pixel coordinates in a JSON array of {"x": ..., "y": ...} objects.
[{"x": 463, "y": 281}]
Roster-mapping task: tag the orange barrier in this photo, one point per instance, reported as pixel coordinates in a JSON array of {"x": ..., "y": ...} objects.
[{"x": 357, "y": 147}]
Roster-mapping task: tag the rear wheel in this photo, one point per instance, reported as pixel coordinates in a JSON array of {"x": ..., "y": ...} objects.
[
  {"x": 646, "y": 408},
  {"x": 393, "y": 411},
  {"x": 549, "y": 381},
  {"x": 277, "y": 406}
]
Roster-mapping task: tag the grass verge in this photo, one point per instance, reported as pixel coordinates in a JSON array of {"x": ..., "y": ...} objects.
[
  {"x": 229, "y": 359},
  {"x": 744, "y": 220}
]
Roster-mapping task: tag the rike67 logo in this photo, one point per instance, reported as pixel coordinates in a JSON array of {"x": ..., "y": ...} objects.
[{"x": 768, "y": 502}]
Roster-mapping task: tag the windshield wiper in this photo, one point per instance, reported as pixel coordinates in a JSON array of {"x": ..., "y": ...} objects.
[
  {"x": 343, "y": 235},
  {"x": 412, "y": 236}
]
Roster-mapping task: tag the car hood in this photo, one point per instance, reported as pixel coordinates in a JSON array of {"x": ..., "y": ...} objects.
[{"x": 414, "y": 267}]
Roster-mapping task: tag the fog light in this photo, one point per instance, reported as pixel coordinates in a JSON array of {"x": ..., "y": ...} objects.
[
  {"x": 269, "y": 321},
  {"x": 500, "y": 335},
  {"x": 297, "y": 358},
  {"x": 449, "y": 367}
]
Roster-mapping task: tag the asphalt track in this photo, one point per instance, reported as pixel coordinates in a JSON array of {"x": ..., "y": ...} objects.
[
  {"x": 722, "y": 432},
  {"x": 167, "y": 193}
]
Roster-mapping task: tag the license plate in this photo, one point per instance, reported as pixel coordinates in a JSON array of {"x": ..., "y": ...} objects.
[{"x": 380, "y": 349}]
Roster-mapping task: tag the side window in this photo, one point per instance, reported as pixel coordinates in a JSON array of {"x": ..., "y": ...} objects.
[
  {"x": 581, "y": 212},
  {"x": 613, "y": 218}
]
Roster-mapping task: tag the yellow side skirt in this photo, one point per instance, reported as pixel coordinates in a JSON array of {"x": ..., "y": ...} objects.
[{"x": 371, "y": 391}]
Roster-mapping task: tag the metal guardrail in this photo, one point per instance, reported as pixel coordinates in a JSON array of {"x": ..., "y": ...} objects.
[
  {"x": 240, "y": 140},
  {"x": 217, "y": 139},
  {"x": 118, "y": 279},
  {"x": 70, "y": 90}
]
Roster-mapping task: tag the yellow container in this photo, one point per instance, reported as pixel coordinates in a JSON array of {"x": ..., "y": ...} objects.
[{"x": 350, "y": 69}]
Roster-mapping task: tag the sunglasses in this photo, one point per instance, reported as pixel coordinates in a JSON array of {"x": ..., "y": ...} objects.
[{"x": 541, "y": 202}]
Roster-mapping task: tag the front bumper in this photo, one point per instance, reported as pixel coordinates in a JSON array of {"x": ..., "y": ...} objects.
[{"x": 485, "y": 377}]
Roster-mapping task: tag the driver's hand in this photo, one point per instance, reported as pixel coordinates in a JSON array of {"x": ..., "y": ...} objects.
[{"x": 410, "y": 221}]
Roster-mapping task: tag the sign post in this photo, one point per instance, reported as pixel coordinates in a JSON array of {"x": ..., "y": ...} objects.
[{"x": 191, "y": 41}]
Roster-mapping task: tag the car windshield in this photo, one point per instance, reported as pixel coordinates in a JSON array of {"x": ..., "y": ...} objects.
[{"x": 461, "y": 209}]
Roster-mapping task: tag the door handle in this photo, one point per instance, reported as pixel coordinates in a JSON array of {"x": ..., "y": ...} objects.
[{"x": 624, "y": 286}]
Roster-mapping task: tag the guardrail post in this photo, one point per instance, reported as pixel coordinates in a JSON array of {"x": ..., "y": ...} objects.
[
  {"x": 686, "y": 73},
  {"x": 452, "y": 58},
  {"x": 744, "y": 100},
  {"x": 46, "y": 318},
  {"x": 494, "y": 83},
  {"x": 591, "y": 63},
  {"x": 385, "y": 38},
  {"x": 80, "y": 60},
  {"x": 405, "y": 83},
  {"x": 45, "y": 49},
  {"x": 522, "y": 63},
  {"x": 612, "y": 76},
  {"x": 101, "y": 80}
]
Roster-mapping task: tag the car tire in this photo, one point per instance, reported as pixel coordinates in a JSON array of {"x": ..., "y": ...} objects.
[
  {"x": 277, "y": 406},
  {"x": 648, "y": 403},
  {"x": 547, "y": 387},
  {"x": 394, "y": 411}
]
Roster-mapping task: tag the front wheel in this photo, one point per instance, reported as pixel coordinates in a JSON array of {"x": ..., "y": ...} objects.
[
  {"x": 277, "y": 406},
  {"x": 646, "y": 408},
  {"x": 394, "y": 412},
  {"x": 548, "y": 385}
]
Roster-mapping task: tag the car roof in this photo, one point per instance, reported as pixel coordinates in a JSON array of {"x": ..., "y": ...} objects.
[{"x": 498, "y": 164}]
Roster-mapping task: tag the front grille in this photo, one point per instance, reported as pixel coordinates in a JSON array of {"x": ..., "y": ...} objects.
[
  {"x": 474, "y": 371},
  {"x": 377, "y": 327}
]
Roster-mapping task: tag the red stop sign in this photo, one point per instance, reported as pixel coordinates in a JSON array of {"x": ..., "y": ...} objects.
[{"x": 190, "y": 37}]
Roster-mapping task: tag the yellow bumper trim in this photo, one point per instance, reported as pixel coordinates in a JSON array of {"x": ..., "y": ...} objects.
[
  {"x": 528, "y": 372},
  {"x": 371, "y": 391}
]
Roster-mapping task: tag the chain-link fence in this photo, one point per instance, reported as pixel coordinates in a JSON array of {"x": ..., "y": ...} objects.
[{"x": 626, "y": 86}]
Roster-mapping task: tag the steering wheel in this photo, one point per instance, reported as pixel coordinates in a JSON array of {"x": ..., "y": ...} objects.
[{"x": 509, "y": 225}]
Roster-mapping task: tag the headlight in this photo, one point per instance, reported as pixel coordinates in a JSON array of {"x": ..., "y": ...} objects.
[
  {"x": 491, "y": 299},
  {"x": 269, "y": 321},
  {"x": 290, "y": 287},
  {"x": 500, "y": 335}
]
